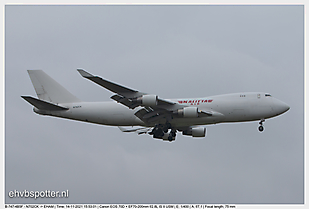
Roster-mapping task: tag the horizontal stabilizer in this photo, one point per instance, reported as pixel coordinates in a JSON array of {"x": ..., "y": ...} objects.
[{"x": 43, "y": 105}]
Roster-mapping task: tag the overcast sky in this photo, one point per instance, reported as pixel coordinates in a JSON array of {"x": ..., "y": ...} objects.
[{"x": 173, "y": 52}]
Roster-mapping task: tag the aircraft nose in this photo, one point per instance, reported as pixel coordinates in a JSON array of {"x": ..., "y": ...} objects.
[{"x": 280, "y": 107}]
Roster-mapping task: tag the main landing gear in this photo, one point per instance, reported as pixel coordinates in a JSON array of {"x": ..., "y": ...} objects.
[
  {"x": 261, "y": 128},
  {"x": 160, "y": 132},
  {"x": 172, "y": 135},
  {"x": 157, "y": 131}
]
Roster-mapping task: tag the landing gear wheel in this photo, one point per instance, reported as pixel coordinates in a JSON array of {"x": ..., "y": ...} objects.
[
  {"x": 261, "y": 128},
  {"x": 165, "y": 129},
  {"x": 173, "y": 133},
  {"x": 157, "y": 132}
]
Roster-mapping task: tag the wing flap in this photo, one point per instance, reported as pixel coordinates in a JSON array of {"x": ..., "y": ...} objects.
[
  {"x": 140, "y": 114},
  {"x": 156, "y": 118},
  {"x": 148, "y": 115},
  {"x": 124, "y": 101}
]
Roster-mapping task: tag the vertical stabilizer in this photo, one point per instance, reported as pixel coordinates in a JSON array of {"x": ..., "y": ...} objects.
[{"x": 48, "y": 89}]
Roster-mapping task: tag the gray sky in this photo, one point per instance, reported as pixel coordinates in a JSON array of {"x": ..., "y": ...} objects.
[{"x": 174, "y": 52}]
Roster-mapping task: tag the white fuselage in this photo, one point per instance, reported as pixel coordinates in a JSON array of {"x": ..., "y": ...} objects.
[{"x": 238, "y": 107}]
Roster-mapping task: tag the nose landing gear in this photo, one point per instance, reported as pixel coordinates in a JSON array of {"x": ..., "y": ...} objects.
[{"x": 261, "y": 128}]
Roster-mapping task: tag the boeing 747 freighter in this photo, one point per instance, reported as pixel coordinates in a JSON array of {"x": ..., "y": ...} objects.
[{"x": 135, "y": 111}]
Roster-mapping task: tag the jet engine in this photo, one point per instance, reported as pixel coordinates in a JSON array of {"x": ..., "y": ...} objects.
[
  {"x": 147, "y": 100},
  {"x": 188, "y": 112},
  {"x": 195, "y": 132}
]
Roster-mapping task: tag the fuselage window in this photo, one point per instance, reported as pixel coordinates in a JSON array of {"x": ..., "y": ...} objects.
[{"x": 267, "y": 95}]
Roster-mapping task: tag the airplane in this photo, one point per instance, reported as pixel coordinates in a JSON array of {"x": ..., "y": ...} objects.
[{"x": 150, "y": 114}]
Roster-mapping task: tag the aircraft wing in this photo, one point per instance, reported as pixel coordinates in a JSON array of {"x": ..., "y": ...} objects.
[
  {"x": 113, "y": 87},
  {"x": 154, "y": 108},
  {"x": 124, "y": 95}
]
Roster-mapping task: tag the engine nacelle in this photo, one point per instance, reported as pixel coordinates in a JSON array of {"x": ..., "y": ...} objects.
[
  {"x": 188, "y": 112},
  {"x": 147, "y": 100},
  {"x": 195, "y": 132}
]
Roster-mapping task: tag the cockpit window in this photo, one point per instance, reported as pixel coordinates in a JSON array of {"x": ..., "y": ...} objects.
[{"x": 267, "y": 95}]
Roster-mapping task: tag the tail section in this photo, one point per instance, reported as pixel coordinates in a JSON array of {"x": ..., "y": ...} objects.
[{"x": 50, "y": 90}]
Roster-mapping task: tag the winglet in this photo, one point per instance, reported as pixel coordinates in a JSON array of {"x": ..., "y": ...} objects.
[{"x": 84, "y": 73}]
